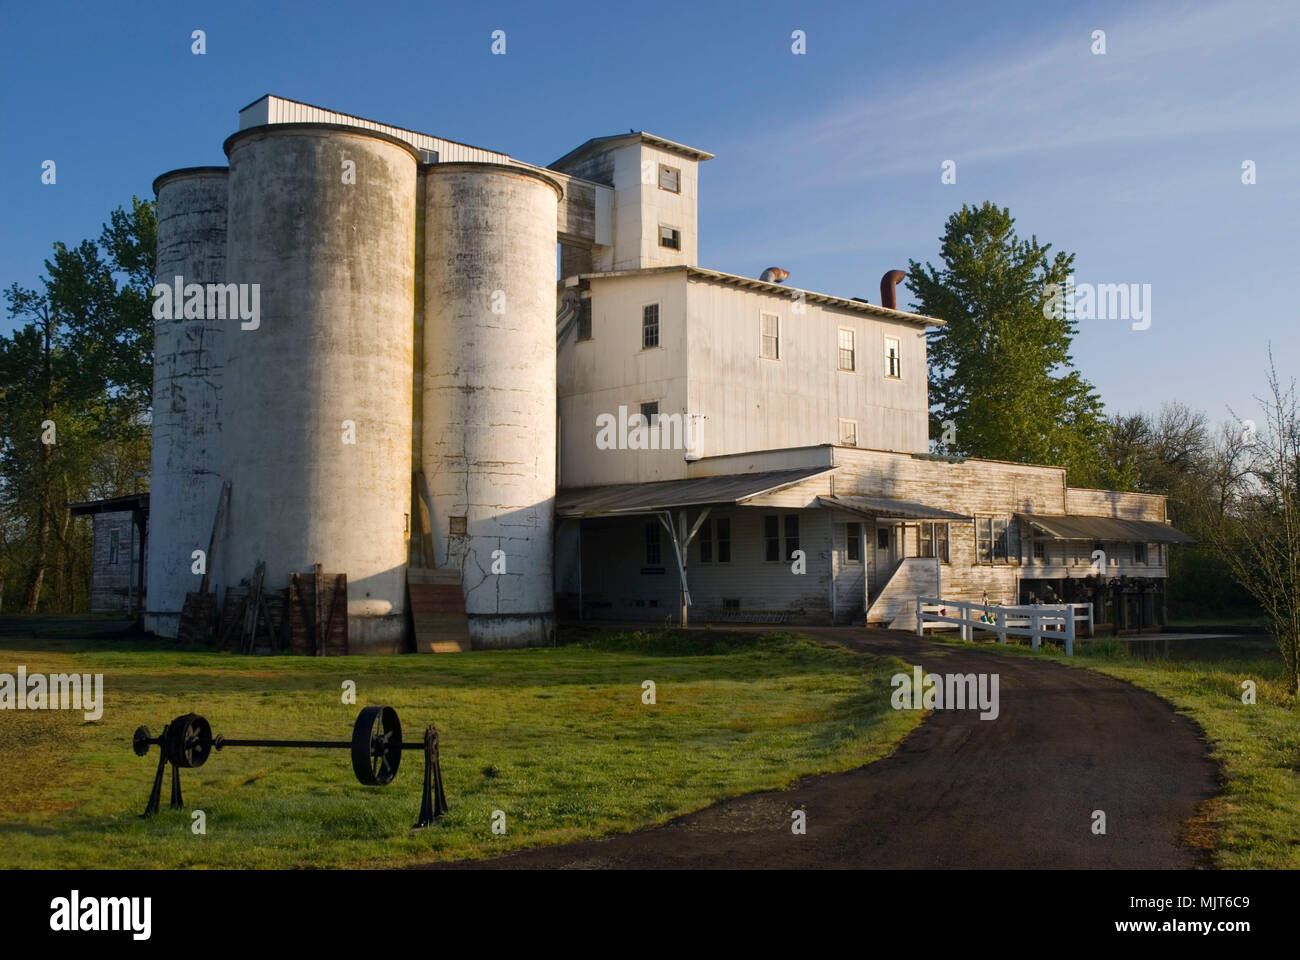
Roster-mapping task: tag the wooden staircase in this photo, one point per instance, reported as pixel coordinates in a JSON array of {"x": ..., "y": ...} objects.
[{"x": 895, "y": 605}]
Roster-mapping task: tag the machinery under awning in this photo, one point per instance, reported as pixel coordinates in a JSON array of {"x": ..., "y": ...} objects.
[
  {"x": 1073, "y": 527},
  {"x": 622, "y": 499},
  {"x": 888, "y": 508}
]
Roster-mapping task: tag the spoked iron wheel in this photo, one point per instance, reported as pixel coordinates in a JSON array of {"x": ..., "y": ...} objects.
[
  {"x": 376, "y": 745},
  {"x": 188, "y": 741}
]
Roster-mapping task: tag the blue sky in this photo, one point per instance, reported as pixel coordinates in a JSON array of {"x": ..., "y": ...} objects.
[{"x": 828, "y": 164}]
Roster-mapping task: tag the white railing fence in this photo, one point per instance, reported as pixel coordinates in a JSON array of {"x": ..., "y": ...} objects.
[{"x": 1055, "y": 621}]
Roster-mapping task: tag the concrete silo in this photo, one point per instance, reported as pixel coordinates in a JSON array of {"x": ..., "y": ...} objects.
[
  {"x": 318, "y": 429},
  {"x": 488, "y": 444},
  {"x": 189, "y": 361}
]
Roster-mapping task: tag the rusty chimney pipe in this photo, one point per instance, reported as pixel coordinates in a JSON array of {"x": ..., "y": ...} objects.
[{"x": 887, "y": 284}]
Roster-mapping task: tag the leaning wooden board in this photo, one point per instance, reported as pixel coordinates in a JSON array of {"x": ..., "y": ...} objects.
[{"x": 438, "y": 610}]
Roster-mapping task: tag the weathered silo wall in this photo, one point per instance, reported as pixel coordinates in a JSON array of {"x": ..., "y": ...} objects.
[
  {"x": 488, "y": 448},
  {"x": 318, "y": 429},
  {"x": 189, "y": 361}
]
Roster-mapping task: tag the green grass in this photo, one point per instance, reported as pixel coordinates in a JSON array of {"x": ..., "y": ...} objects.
[
  {"x": 557, "y": 738},
  {"x": 1255, "y": 821},
  {"x": 1250, "y": 621}
]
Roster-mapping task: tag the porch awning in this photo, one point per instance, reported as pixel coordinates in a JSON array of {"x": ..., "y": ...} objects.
[
  {"x": 887, "y": 508},
  {"x": 632, "y": 498},
  {"x": 1073, "y": 527}
]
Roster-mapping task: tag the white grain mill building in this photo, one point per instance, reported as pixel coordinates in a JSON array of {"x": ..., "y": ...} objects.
[{"x": 643, "y": 439}]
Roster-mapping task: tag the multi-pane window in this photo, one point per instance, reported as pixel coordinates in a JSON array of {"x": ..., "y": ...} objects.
[
  {"x": 771, "y": 336},
  {"x": 653, "y": 553},
  {"x": 772, "y": 538},
  {"x": 650, "y": 325},
  {"x": 853, "y": 541},
  {"x": 848, "y": 433},
  {"x": 584, "y": 318},
  {"x": 670, "y": 178},
  {"x": 991, "y": 539},
  {"x": 1040, "y": 550},
  {"x": 791, "y": 535},
  {"x": 934, "y": 541},
  {"x": 882, "y": 538},
  {"x": 718, "y": 550},
  {"x": 848, "y": 355},
  {"x": 650, "y": 414},
  {"x": 1139, "y": 553},
  {"x": 706, "y": 541},
  {"x": 893, "y": 358},
  {"x": 724, "y": 539},
  {"x": 670, "y": 237}
]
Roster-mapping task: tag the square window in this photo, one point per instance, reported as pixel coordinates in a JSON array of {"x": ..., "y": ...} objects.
[
  {"x": 848, "y": 433},
  {"x": 457, "y": 526},
  {"x": 771, "y": 324},
  {"x": 893, "y": 358},
  {"x": 1139, "y": 553},
  {"x": 670, "y": 237},
  {"x": 650, "y": 414},
  {"x": 650, "y": 325},
  {"x": 670, "y": 178},
  {"x": 848, "y": 355}
]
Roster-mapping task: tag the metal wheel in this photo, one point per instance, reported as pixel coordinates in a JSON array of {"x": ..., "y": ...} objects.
[
  {"x": 188, "y": 741},
  {"x": 140, "y": 742},
  {"x": 376, "y": 745}
]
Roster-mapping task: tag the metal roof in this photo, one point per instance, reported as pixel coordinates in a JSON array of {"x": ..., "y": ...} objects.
[
  {"x": 780, "y": 289},
  {"x": 691, "y": 153},
  {"x": 1075, "y": 527},
  {"x": 631, "y": 498},
  {"x": 132, "y": 501},
  {"x": 888, "y": 507}
]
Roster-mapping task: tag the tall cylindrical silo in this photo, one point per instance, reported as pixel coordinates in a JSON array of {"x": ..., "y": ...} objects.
[
  {"x": 189, "y": 361},
  {"x": 488, "y": 446},
  {"x": 318, "y": 426}
]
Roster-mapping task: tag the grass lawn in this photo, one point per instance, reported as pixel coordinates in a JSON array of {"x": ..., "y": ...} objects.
[
  {"x": 1255, "y": 822},
  {"x": 557, "y": 738}
]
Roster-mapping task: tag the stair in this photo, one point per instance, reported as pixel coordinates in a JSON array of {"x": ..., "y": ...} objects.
[{"x": 895, "y": 604}]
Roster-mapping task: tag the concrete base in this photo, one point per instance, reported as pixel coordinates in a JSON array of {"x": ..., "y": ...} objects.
[
  {"x": 503, "y": 631},
  {"x": 376, "y": 635},
  {"x": 163, "y": 624}
]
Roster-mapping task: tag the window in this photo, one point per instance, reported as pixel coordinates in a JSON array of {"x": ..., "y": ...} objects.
[
  {"x": 706, "y": 541},
  {"x": 791, "y": 535},
  {"x": 853, "y": 540},
  {"x": 1040, "y": 550},
  {"x": 724, "y": 539},
  {"x": 893, "y": 358},
  {"x": 670, "y": 178},
  {"x": 991, "y": 539},
  {"x": 457, "y": 526},
  {"x": 670, "y": 238},
  {"x": 650, "y": 414},
  {"x": 731, "y": 603},
  {"x": 772, "y": 538},
  {"x": 653, "y": 555},
  {"x": 771, "y": 337},
  {"x": 650, "y": 326},
  {"x": 1139, "y": 553},
  {"x": 848, "y": 433},
  {"x": 114, "y": 546},
  {"x": 934, "y": 541},
  {"x": 848, "y": 357},
  {"x": 882, "y": 538},
  {"x": 584, "y": 318}
]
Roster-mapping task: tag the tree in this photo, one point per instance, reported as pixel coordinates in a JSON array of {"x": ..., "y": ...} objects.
[
  {"x": 1258, "y": 534},
  {"x": 1001, "y": 369},
  {"x": 75, "y": 385}
]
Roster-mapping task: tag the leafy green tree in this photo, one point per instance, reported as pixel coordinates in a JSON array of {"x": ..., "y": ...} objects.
[
  {"x": 75, "y": 385},
  {"x": 1001, "y": 369}
]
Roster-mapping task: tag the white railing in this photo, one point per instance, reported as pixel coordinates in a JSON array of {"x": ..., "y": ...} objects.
[{"x": 1036, "y": 621}]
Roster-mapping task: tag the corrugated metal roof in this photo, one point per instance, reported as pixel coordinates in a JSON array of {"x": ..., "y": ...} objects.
[
  {"x": 1075, "y": 527},
  {"x": 628, "y": 498},
  {"x": 132, "y": 501},
  {"x": 890, "y": 508}
]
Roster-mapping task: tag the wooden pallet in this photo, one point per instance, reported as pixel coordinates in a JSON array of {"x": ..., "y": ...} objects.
[
  {"x": 438, "y": 610},
  {"x": 318, "y": 613},
  {"x": 197, "y": 618}
]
